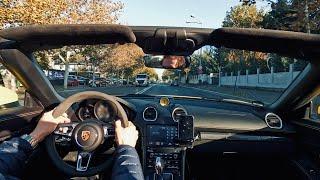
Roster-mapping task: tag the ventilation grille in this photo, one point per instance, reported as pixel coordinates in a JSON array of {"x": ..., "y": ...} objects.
[
  {"x": 177, "y": 113},
  {"x": 273, "y": 121},
  {"x": 150, "y": 114}
]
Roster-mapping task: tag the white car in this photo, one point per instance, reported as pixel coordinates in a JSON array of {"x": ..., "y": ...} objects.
[{"x": 142, "y": 80}]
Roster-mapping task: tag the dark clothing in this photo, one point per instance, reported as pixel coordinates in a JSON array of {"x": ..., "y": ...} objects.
[
  {"x": 13, "y": 155},
  {"x": 15, "y": 152},
  {"x": 127, "y": 164}
]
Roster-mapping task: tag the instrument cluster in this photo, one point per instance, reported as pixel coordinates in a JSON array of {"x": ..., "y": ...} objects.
[{"x": 97, "y": 109}]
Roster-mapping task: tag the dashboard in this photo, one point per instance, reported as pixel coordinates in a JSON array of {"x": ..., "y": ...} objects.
[{"x": 215, "y": 127}]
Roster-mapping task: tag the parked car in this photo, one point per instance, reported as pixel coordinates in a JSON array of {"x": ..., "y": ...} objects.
[
  {"x": 73, "y": 82},
  {"x": 98, "y": 82},
  {"x": 82, "y": 80}
]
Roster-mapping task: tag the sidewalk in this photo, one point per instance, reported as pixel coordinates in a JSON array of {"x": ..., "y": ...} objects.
[{"x": 265, "y": 96}]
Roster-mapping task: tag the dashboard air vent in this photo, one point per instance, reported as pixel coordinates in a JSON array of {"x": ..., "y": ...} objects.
[
  {"x": 150, "y": 114},
  {"x": 177, "y": 112},
  {"x": 273, "y": 121}
]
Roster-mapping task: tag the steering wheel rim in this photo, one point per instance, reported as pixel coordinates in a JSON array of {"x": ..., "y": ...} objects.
[{"x": 62, "y": 108}]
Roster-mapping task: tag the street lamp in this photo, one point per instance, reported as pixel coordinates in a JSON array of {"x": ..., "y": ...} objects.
[
  {"x": 193, "y": 22},
  {"x": 196, "y": 21}
]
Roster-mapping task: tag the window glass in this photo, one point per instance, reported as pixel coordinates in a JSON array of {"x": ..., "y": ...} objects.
[{"x": 11, "y": 90}]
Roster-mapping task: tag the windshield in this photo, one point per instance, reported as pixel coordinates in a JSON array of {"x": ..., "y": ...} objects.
[{"x": 214, "y": 73}]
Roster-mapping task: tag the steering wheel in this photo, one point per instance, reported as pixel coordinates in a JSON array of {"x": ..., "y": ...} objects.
[{"x": 86, "y": 136}]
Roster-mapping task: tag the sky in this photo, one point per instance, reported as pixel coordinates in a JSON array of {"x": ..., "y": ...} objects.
[
  {"x": 210, "y": 13},
  {"x": 177, "y": 12}
]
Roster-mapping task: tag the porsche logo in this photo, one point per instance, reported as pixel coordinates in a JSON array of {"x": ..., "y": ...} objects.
[{"x": 85, "y": 135}]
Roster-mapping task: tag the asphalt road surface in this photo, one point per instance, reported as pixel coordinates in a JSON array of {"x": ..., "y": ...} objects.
[{"x": 153, "y": 89}]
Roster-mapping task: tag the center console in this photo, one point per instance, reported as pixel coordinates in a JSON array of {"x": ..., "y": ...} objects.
[{"x": 165, "y": 149}]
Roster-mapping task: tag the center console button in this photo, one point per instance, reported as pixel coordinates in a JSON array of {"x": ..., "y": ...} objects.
[{"x": 175, "y": 156}]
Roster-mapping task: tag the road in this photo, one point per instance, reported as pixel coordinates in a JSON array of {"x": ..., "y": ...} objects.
[{"x": 154, "y": 89}]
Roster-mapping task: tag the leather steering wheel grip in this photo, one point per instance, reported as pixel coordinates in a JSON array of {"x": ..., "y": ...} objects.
[{"x": 78, "y": 97}]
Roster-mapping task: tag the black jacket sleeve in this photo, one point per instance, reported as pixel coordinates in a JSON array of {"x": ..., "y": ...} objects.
[
  {"x": 126, "y": 164},
  {"x": 13, "y": 155}
]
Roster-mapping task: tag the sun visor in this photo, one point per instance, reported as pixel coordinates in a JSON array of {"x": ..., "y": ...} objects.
[
  {"x": 39, "y": 37},
  {"x": 293, "y": 44}
]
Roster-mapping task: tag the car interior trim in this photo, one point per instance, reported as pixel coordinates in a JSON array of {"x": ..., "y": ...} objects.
[
  {"x": 150, "y": 107},
  {"x": 275, "y": 115}
]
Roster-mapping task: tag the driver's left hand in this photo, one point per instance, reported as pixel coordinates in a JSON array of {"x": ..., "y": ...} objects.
[{"x": 46, "y": 125}]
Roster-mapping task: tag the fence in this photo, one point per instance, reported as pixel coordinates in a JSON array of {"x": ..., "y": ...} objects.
[{"x": 279, "y": 80}]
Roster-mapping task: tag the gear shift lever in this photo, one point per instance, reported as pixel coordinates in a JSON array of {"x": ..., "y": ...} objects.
[{"x": 159, "y": 164}]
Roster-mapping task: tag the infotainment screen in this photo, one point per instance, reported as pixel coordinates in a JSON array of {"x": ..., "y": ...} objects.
[{"x": 161, "y": 135}]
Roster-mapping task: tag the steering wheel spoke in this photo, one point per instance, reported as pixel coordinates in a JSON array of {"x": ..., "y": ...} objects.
[
  {"x": 83, "y": 160},
  {"x": 109, "y": 131},
  {"x": 65, "y": 129}
]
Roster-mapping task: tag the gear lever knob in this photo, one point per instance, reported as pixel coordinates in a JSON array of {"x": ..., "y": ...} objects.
[{"x": 159, "y": 165}]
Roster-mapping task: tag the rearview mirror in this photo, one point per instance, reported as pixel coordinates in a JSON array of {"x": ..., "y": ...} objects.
[{"x": 166, "y": 62}]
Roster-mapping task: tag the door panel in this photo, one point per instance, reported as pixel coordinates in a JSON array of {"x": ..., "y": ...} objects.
[
  {"x": 308, "y": 133},
  {"x": 308, "y": 138},
  {"x": 19, "y": 120}
]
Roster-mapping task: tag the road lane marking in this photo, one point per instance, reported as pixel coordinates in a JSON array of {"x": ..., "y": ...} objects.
[
  {"x": 145, "y": 89},
  {"x": 74, "y": 90},
  {"x": 213, "y": 92}
]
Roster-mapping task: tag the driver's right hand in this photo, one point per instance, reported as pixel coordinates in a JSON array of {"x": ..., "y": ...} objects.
[{"x": 126, "y": 136}]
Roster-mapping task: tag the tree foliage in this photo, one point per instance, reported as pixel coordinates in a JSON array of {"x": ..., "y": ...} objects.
[
  {"x": 29, "y": 12},
  {"x": 294, "y": 15},
  {"x": 122, "y": 60},
  {"x": 113, "y": 60},
  {"x": 284, "y": 15},
  {"x": 169, "y": 74},
  {"x": 246, "y": 15}
]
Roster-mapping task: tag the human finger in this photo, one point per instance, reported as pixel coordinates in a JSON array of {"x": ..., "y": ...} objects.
[{"x": 117, "y": 124}]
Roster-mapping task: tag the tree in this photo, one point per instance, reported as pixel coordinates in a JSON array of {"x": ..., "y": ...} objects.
[
  {"x": 209, "y": 62},
  {"x": 169, "y": 74},
  {"x": 29, "y": 12},
  {"x": 248, "y": 2},
  {"x": 242, "y": 16},
  {"x": 281, "y": 16},
  {"x": 122, "y": 60}
]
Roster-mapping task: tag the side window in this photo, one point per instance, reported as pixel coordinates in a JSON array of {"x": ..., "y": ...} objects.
[{"x": 11, "y": 90}]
